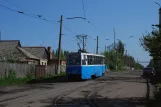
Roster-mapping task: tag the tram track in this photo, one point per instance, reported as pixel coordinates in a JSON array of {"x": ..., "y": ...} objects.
[
  {"x": 87, "y": 97},
  {"x": 69, "y": 92}
]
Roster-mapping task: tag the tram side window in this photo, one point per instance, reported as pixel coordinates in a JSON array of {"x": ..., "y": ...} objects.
[
  {"x": 99, "y": 59},
  {"x": 103, "y": 60},
  {"x": 96, "y": 60},
  {"x": 84, "y": 60},
  {"x": 89, "y": 57}
]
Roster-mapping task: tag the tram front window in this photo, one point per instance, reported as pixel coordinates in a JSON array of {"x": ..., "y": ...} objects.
[{"x": 74, "y": 60}]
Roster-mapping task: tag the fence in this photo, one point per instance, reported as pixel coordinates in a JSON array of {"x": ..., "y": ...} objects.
[
  {"x": 23, "y": 69},
  {"x": 20, "y": 69},
  {"x": 42, "y": 70}
]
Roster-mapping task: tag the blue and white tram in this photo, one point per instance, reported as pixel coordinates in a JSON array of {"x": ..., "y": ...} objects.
[{"x": 84, "y": 65}]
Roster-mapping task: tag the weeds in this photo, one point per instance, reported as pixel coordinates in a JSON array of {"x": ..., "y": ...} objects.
[{"x": 11, "y": 79}]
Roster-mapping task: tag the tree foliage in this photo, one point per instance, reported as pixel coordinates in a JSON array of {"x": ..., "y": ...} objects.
[
  {"x": 63, "y": 53},
  {"x": 151, "y": 42},
  {"x": 151, "y": 63},
  {"x": 120, "y": 48},
  {"x": 138, "y": 66},
  {"x": 9, "y": 56},
  {"x": 117, "y": 57}
]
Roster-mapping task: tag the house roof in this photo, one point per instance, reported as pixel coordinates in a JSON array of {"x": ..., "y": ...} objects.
[
  {"x": 35, "y": 52},
  {"x": 8, "y": 45},
  {"x": 22, "y": 52},
  {"x": 28, "y": 54}
]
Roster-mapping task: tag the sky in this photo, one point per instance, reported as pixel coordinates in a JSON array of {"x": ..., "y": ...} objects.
[{"x": 129, "y": 18}]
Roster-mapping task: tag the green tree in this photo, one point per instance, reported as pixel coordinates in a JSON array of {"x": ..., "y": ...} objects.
[
  {"x": 151, "y": 42},
  {"x": 122, "y": 60},
  {"x": 10, "y": 56},
  {"x": 138, "y": 66},
  {"x": 53, "y": 53},
  {"x": 120, "y": 48},
  {"x": 151, "y": 63}
]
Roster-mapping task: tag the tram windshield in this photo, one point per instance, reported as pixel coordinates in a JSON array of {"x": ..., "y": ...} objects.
[{"x": 74, "y": 59}]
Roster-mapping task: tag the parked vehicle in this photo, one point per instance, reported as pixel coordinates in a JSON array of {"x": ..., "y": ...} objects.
[
  {"x": 148, "y": 72},
  {"x": 84, "y": 65}
]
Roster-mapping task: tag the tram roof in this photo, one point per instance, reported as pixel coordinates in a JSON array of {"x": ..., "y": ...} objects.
[{"x": 88, "y": 54}]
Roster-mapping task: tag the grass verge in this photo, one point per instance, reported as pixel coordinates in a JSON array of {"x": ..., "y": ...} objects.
[
  {"x": 7, "y": 81},
  {"x": 18, "y": 81}
]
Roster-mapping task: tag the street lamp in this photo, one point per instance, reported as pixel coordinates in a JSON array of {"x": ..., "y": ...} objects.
[{"x": 105, "y": 45}]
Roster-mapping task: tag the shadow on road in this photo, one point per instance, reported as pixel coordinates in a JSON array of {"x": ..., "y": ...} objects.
[
  {"x": 101, "y": 102},
  {"x": 22, "y": 89},
  {"x": 58, "y": 79},
  {"x": 125, "y": 79}
]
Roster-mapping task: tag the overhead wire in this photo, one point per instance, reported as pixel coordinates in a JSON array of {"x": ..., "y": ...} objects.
[
  {"x": 18, "y": 7},
  {"x": 85, "y": 17},
  {"x": 35, "y": 16},
  {"x": 7, "y": 1},
  {"x": 27, "y": 14},
  {"x": 83, "y": 9},
  {"x": 65, "y": 27}
]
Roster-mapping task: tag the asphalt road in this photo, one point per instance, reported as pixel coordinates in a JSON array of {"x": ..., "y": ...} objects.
[{"x": 125, "y": 89}]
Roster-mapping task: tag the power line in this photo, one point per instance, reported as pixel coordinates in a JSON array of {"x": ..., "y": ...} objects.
[
  {"x": 92, "y": 24},
  {"x": 69, "y": 30},
  {"x": 18, "y": 7},
  {"x": 11, "y": 3},
  {"x": 26, "y": 14},
  {"x": 83, "y": 8}
]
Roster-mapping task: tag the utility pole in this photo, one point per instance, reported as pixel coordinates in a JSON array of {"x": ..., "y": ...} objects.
[
  {"x": 0, "y": 35},
  {"x": 97, "y": 46},
  {"x": 126, "y": 57},
  {"x": 59, "y": 46},
  {"x": 114, "y": 38},
  {"x": 105, "y": 48},
  {"x": 160, "y": 19},
  {"x": 115, "y": 48}
]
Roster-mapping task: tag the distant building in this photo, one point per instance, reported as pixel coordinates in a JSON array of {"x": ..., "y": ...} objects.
[
  {"x": 12, "y": 49},
  {"x": 54, "y": 61}
]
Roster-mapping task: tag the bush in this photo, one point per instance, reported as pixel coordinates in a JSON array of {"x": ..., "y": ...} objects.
[
  {"x": 31, "y": 74},
  {"x": 11, "y": 74}
]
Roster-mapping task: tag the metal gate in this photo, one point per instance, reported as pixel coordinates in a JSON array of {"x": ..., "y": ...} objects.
[{"x": 40, "y": 71}]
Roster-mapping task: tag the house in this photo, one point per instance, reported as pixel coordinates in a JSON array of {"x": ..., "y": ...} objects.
[
  {"x": 55, "y": 61},
  {"x": 11, "y": 50}
]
